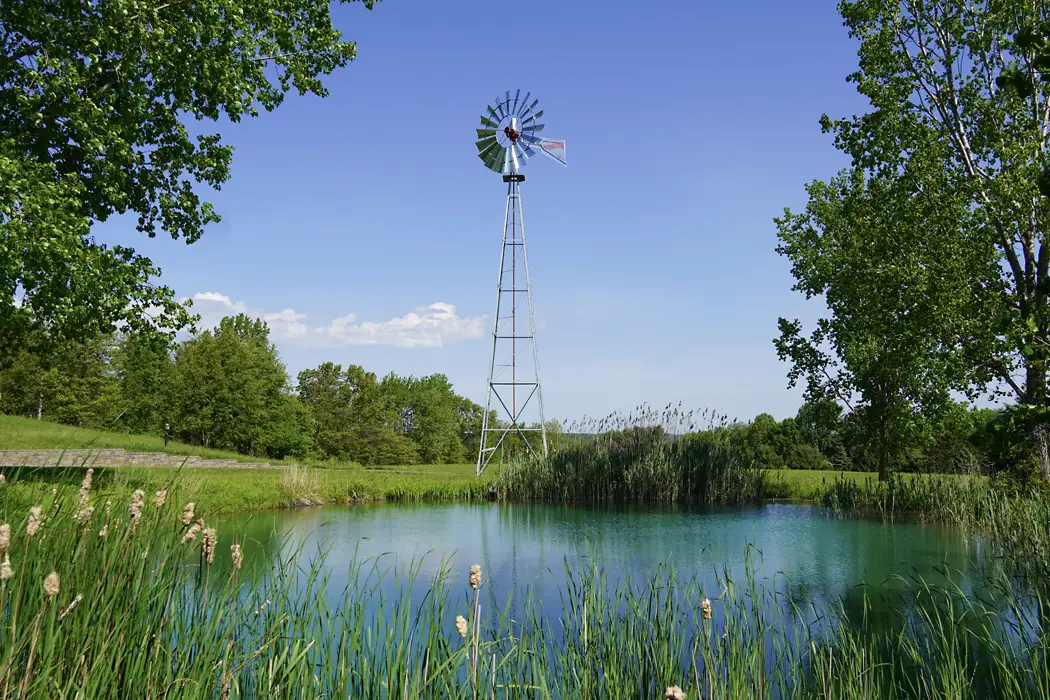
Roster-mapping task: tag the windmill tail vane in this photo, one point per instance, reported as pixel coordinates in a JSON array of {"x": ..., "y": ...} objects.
[{"x": 509, "y": 135}]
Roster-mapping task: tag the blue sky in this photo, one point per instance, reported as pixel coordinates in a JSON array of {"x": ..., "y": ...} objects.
[{"x": 689, "y": 125}]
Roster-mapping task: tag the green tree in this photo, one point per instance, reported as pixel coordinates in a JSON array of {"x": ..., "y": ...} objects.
[
  {"x": 144, "y": 367},
  {"x": 93, "y": 103},
  {"x": 428, "y": 412},
  {"x": 230, "y": 390},
  {"x": 885, "y": 256},
  {"x": 935, "y": 74},
  {"x": 352, "y": 418}
]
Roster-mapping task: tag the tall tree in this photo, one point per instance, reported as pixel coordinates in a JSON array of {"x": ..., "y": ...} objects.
[
  {"x": 144, "y": 366},
  {"x": 230, "y": 389},
  {"x": 93, "y": 103},
  {"x": 885, "y": 255},
  {"x": 933, "y": 71}
]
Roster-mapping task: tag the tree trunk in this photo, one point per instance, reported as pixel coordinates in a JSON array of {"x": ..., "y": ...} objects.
[
  {"x": 884, "y": 445},
  {"x": 1035, "y": 395}
]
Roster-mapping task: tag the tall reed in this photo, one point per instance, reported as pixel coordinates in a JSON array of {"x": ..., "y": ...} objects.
[{"x": 135, "y": 600}]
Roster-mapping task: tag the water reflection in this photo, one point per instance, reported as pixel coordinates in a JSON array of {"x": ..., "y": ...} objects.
[{"x": 810, "y": 552}]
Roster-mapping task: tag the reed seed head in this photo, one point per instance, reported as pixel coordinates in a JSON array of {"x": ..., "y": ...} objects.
[
  {"x": 5, "y": 537},
  {"x": 187, "y": 514},
  {"x": 475, "y": 576},
  {"x": 236, "y": 556},
  {"x": 191, "y": 534},
  {"x": 159, "y": 498},
  {"x": 51, "y": 585},
  {"x": 54, "y": 492},
  {"x": 104, "y": 531},
  {"x": 136, "y": 505},
  {"x": 35, "y": 518},
  {"x": 209, "y": 544},
  {"x": 109, "y": 505},
  {"x": 85, "y": 488},
  {"x": 461, "y": 626},
  {"x": 3, "y": 479},
  {"x": 674, "y": 693},
  {"x": 73, "y": 604},
  {"x": 6, "y": 572},
  {"x": 84, "y": 515},
  {"x": 705, "y": 609}
]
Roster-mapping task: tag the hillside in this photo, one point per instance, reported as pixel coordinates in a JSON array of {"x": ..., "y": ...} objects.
[{"x": 18, "y": 433}]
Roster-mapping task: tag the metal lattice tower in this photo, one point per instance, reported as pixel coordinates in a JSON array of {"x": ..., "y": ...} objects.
[{"x": 507, "y": 138}]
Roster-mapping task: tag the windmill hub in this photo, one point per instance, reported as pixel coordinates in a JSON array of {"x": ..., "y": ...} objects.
[{"x": 512, "y": 134}]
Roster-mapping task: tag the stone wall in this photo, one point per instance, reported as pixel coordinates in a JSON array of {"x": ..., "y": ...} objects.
[{"x": 114, "y": 458}]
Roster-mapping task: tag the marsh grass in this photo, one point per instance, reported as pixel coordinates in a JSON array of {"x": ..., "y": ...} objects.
[
  {"x": 644, "y": 457},
  {"x": 142, "y": 612}
]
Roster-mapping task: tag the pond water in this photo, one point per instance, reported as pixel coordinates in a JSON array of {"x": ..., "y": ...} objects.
[{"x": 526, "y": 546}]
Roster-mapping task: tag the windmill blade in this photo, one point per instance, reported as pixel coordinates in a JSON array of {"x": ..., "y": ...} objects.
[
  {"x": 499, "y": 109},
  {"x": 484, "y": 144},
  {"x": 494, "y": 113},
  {"x": 493, "y": 158},
  {"x": 513, "y": 161},
  {"x": 555, "y": 148},
  {"x": 506, "y": 160},
  {"x": 488, "y": 122},
  {"x": 533, "y": 128},
  {"x": 522, "y": 109},
  {"x": 484, "y": 133},
  {"x": 526, "y": 136},
  {"x": 532, "y": 118}
]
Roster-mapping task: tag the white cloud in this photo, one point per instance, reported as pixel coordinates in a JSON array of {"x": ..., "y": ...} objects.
[{"x": 428, "y": 326}]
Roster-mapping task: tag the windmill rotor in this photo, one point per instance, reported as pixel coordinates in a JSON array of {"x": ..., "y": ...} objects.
[{"x": 510, "y": 134}]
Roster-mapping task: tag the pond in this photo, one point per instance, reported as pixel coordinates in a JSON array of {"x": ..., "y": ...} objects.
[{"x": 526, "y": 546}]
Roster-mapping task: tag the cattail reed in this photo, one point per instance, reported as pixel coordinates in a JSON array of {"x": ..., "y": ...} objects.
[
  {"x": 85, "y": 489},
  {"x": 475, "y": 576},
  {"x": 159, "y": 498},
  {"x": 705, "y": 609},
  {"x": 187, "y": 514},
  {"x": 136, "y": 506},
  {"x": 5, "y": 537},
  {"x": 208, "y": 544},
  {"x": 104, "y": 531},
  {"x": 51, "y": 585},
  {"x": 69, "y": 608},
  {"x": 236, "y": 556},
  {"x": 3, "y": 479},
  {"x": 191, "y": 534},
  {"x": 461, "y": 626},
  {"x": 84, "y": 515},
  {"x": 35, "y": 518},
  {"x": 6, "y": 572},
  {"x": 674, "y": 693}
]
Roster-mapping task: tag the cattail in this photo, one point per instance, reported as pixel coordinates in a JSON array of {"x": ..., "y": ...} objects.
[
  {"x": 461, "y": 626},
  {"x": 3, "y": 479},
  {"x": 208, "y": 544},
  {"x": 109, "y": 504},
  {"x": 5, "y": 537},
  {"x": 187, "y": 514},
  {"x": 85, "y": 488},
  {"x": 191, "y": 534},
  {"x": 136, "y": 505},
  {"x": 104, "y": 531},
  {"x": 705, "y": 609},
  {"x": 235, "y": 554},
  {"x": 51, "y": 585},
  {"x": 54, "y": 492},
  {"x": 159, "y": 498},
  {"x": 6, "y": 572},
  {"x": 475, "y": 576},
  {"x": 69, "y": 609},
  {"x": 34, "y": 520},
  {"x": 674, "y": 693},
  {"x": 84, "y": 515}
]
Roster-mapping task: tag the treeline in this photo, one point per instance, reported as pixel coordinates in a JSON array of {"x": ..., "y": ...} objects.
[
  {"x": 822, "y": 436},
  {"x": 226, "y": 388}
]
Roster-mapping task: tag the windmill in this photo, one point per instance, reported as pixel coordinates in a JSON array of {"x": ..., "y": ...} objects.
[{"x": 507, "y": 138}]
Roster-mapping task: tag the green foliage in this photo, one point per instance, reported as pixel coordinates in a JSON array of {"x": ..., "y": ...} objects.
[
  {"x": 230, "y": 391},
  {"x": 93, "y": 103}
]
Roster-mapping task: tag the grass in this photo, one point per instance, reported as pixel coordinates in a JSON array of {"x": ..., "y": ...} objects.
[
  {"x": 19, "y": 433},
  {"x": 146, "y": 611},
  {"x": 811, "y": 485},
  {"x": 238, "y": 490}
]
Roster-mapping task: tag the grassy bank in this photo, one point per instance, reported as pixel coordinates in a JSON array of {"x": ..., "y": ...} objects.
[
  {"x": 134, "y": 600},
  {"x": 238, "y": 490}
]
